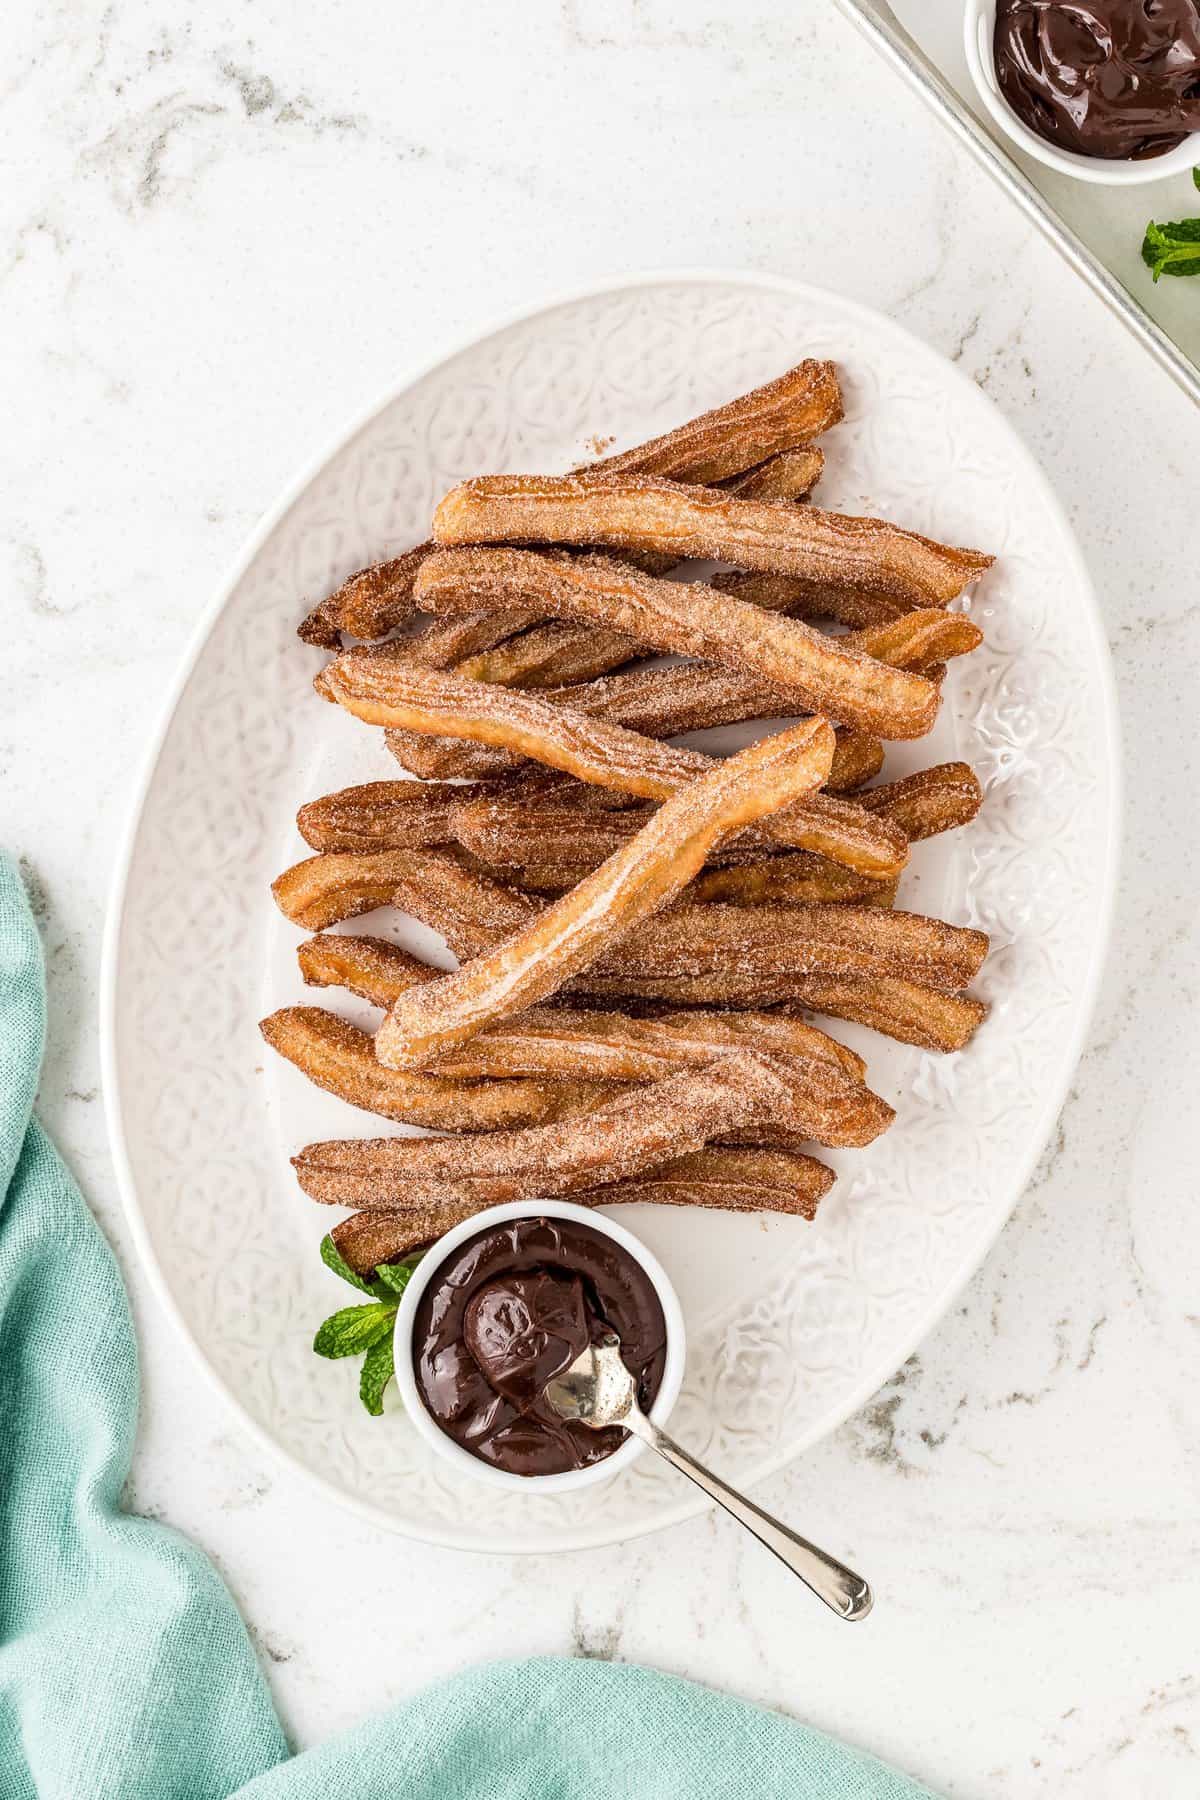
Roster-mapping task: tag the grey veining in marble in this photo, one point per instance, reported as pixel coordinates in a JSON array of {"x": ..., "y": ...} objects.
[{"x": 221, "y": 233}]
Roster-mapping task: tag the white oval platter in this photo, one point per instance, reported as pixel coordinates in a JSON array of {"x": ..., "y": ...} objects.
[{"x": 791, "y": 1326}]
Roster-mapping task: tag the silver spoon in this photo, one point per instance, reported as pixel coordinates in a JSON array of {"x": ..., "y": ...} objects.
[{"x": 598, "y": 1390}]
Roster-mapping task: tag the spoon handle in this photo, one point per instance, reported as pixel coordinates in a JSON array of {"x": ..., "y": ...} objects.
[{"x": 844, "y": 1592}]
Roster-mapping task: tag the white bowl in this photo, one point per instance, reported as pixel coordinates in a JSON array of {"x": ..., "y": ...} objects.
[
  {"x": 979, "y": 26},
  {"x": 432, "y": 1262}
]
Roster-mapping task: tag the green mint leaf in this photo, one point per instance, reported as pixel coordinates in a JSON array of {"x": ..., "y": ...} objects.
[
  {"x": 354, "y": 1329},
  {"x": 1173, "y": 248},
  {"x": 333, "y": 1259},
  {"x": 1196, "y": 177},
  {"x": 395, "y": 1276},
  {"x": 377, "y": 1370}
]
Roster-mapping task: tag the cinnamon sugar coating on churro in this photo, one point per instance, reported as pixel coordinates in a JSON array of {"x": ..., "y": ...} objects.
[
  {"x": 796, "y": 406},
  {"x": 789, "y": 476},
  {"x": 370, "y": 967},
  {"x": 728, "y": 1180},
  {"x": 641, "y": 512},
  {"x": 658, "y": 703},
  {"x": 323, "y": 889},
  {"x": 760, "y": 425},
  {"x": 784, "y": 940},
  {"x": 341, "y": 1059},
  {"x": 929, "y": 802},
  {"x": 379, "y": 971},
  {"x": 634, "y": 883},
  {"x": 386, "y": 692},
  {"x": 380, "y": 815},
  {"x": 502, "y": 831},
  {"x": 370, "y": 604},
  {"x": 636, "y": 1131},
  {"x": 818, "y": 673}
]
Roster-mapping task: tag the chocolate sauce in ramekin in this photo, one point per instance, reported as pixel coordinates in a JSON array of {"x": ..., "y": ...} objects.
[
  {"x": 1118, "y": 79},
  {"x": 508, "y": 1311}
]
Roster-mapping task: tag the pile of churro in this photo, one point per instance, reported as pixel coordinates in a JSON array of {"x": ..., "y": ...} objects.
[{"x": 643, "y": 932}]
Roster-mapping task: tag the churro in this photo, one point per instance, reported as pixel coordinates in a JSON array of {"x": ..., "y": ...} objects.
[
  {"x": 380, "y": 815},
  {"x": 789, "y": 476},
  {"x": 932, "y": 801},
  {"x": 643, "y": 512},
  {"x": 817, "y": 673},
  {"x": 791, "y": 410},
  {"x": 905, "y": 1010},
  {"x": 633, "y": 884},
  {"x": 385, "y": 692},
  {"x": 789, "y": 879},
  {"x": 323, "y": 889},
  {"x": 636, "y": 1131},
  {"x": 370, "y": 967},
  {"x": 341, "y": 1059},
  {"x": 925, "y": 1016},
  {"x": 774, "y": 941},
  {"x": 759, "y": 426},
  {"x": 503, "y": 831},
  {"x": 658, "y": 702},
  {"x": 379, "y": 972},
  {"x": 727, "y": 1180},
  {"x": 369, "y": 604}
]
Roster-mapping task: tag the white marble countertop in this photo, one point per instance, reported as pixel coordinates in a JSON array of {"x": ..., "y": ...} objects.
[{"x": 221, "y": 236}]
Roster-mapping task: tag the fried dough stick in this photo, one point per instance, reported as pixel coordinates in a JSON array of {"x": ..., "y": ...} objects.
[
  {"x": 549, "y": 1066},
  {"x": 341, "y": 1059},
  {"x": 614, "y": 1046},
  {"x": 728, "y": 1180},
  {"x": 550, "y": 843},
  {"x": 667, "y": 702},
  {"x": 742, "y": 435},
  {"x": 633, "y": 884},
  {"x": 905, "y": 1010},
  {"x": 382, "y": 692},
  {"x": 636, "y": 1131},
  {"x": 815, "y": 672},
  {"x": 645, "y": 513}
]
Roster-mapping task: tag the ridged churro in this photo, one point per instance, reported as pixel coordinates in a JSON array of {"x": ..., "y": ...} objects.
[
  {"x": 389, "y": 693},
  {"x": 323, "y": 889},
  {"x": 502, "y": 831},
  {"x": 370, "y": 967},
  {"x": 552, "y": 1063},
  {"x": 636, "y": 1131},
  {"x": 659, "y": 703},
  {"x": 789, "y": 476},
  {"x": 932, "y": 801},
  {"x": 341, "y": 1059},
  {"x": 381, "y": 815},
  {"x": 634, "y": 883},
  {"x": 642, "y": 512},
  {"x": 379, "y": 972},
  {"x": 816, "y": 672},
  {"x": 774, "y": 941},
  {"x": 368, "y": 604},
  {"x": 756, "y": 427},
  {"x": 796, "y": 407},
  {"x": 727, "y": 1180}
]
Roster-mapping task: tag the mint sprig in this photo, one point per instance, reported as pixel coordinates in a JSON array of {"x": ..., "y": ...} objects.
[
  {"x": 365, "y": 1330},
  {"x": 1173, "y": 248}
]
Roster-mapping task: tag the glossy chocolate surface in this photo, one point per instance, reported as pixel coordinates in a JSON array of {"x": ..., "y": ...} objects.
[
  {"x": 508, "y": 1311},
  {"x": 1117, "y": 79}
]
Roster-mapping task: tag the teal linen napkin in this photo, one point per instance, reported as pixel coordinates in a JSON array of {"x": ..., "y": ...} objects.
[{"x": 125, "y": 1671}]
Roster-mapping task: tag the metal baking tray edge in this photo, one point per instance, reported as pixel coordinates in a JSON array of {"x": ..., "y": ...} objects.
[{"x": 879, "y": 25}]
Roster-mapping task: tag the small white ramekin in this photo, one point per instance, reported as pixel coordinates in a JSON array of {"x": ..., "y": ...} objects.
[
  {"x": 428, "y": 1268},
  {"x": 979, "y": 28}
]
